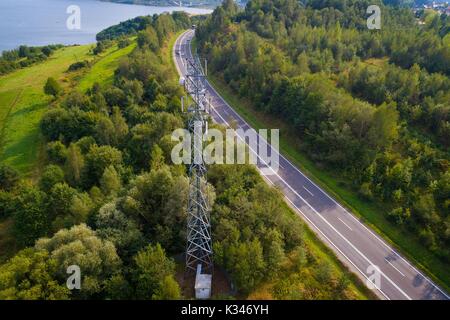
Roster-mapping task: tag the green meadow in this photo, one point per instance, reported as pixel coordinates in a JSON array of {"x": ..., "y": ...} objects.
[
  {"x": 23, "y": 102},
  {"x": 103, "y": 70}
]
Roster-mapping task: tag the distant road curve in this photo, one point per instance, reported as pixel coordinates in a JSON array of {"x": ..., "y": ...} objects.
[{"x": 354, "y": 243}]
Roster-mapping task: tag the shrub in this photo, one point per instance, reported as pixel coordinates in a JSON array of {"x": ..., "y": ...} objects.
[
  {"x": 52, "y": 88},
  {"x": 8, "y": 177},
  {"x": 78, "y": 65}
]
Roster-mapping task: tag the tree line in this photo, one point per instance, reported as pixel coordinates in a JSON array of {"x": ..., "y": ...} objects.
[{"x": 24, "y": 56}]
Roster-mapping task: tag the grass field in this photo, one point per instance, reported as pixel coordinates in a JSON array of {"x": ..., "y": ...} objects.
[
  {"x": 23, "y": 102},
  {"x": 338, "y": 187},
  {"x": 103, "y": 70}
]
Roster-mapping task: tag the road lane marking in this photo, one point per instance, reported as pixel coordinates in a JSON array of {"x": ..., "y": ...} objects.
[
  {"x": 332, "y": 243},
  {"x": 394, "y": 267},
  {"x": 345, "y": 223},
  {"x": 398, "y": 255},
  {"x": 308, "y": 191},
  {"x": 324, "y": 235},
  {"x": 181, "y": 41},
  {"x": 175, "y": 57}
]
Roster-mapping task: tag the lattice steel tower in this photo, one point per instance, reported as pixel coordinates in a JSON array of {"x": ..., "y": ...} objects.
[{"x": 199, "y": 246}]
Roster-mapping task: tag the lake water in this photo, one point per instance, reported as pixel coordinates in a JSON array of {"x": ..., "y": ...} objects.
[{"x": 42, "y": 22}]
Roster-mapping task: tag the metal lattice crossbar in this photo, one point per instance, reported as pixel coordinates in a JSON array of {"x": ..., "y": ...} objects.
[{"x": 199, "y": 245}]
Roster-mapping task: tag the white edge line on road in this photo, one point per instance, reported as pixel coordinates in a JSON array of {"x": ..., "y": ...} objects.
[
  {"x": 326, "y": 238},
  {"x": 331, "y": 242},
  {"x": 394, "y": 267},
  {"x": 179, "y": 48},
  {"x": 174, "y": 53},
  {"x": 398, "y": 255}
]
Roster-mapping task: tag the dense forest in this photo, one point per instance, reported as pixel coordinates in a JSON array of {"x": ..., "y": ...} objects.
[
  {"x": 110, "y": 200},
  {"x": 373, "y": 105}
]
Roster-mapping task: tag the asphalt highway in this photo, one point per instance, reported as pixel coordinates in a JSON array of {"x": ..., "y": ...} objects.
[{"x": 360, "y": 248}]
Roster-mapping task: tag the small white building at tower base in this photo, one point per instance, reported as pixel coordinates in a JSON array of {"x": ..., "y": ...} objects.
[{"x": 202, "y": 284}]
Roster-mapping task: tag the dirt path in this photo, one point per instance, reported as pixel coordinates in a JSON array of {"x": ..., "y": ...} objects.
[{"x": 5, "y": 120}]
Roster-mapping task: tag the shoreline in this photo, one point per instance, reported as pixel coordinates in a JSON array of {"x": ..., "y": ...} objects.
[
  {"x": 167, "y": 4},
  {"x": 36, "y": 33}
]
